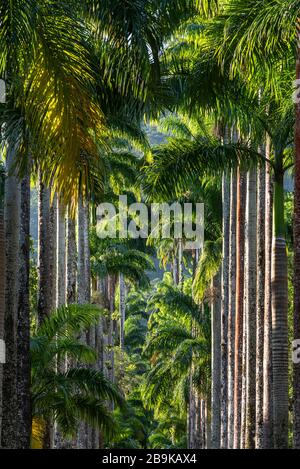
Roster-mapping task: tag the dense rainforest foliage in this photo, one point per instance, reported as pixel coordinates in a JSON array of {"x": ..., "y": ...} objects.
[{"x": 146, "y": 341}]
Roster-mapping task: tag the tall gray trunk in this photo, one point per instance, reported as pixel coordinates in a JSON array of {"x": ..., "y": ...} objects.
[
  {"x": 61, "y": 254},
  {"x": 203, "y": 423},
  {"x": 225, "y": 308},
  {"x": 47, "y": 271},
  {"x": 111, "y": 338},
  {"x": 71, "y": 261},
  {"x": 251, "y": 269},
  {"x": 261, "y": 219},
  {"x": 180, "y": 263},
  {"x": 52, "y": 251},
  {"x": 81, "y": 272},
  {"x": 45, "y": 287},
  {"x": 122, "y": 308},
  {"x": 2, "y": 290},
  {"x": 12, "y": 226},
  {"x": 83, "y": 266},
  {"x": 216, "y": 363},
  {"x": 239, "y": 318},
  {"x": 23, "y": 324},
  {"x": 244, "y": 369},
  {"x": 267, "y": 360},
  {"x": 232, "y": 306},
  {"x": 84, "y": 293}
]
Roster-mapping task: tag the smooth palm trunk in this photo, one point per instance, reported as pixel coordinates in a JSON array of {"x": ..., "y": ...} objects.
[
  {"x": 250, "y": 308},
  {"x": 2, "y": 290},
  {"x": 44, "y": 297},
  {"x": 267, "y": 360},
  {"x": 47, "y": 271},
  {"x": 240, "y": 253},
  {"x": 52, "y": 252},
  {"x": 111, "y": 335},
  {"x": 12, "y": 226},
  {"x": 279, "y": 318},
  {"x": 244, "y": 373},
  {"x": 61, "y": 255},
  {"x": 216, "y": 364},
  {"x": 261, "y": 200},
  {"x": 225, "y": 309},
  {"x": 122, "y": 309},
  {"x": 84, "y": 440},
  {"x": 231, "y": 306},
  {"x": 71, "y": 261},
  {"x": 296, "y": 366},
  {"x": 23, "y": 324}
]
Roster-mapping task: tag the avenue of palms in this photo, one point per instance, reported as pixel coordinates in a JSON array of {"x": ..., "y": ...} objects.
[{"x": 125, "y": 343}]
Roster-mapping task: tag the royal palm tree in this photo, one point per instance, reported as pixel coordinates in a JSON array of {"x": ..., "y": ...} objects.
[
  {"x": 3, "y": 277},
  {"x": 23, "y": 319},
  {"x": 276, "y": 22}
]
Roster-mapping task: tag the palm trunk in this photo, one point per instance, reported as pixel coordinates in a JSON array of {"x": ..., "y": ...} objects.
[
  {"x": 251, "y": 267},
  {"x": 244, "y": 370},
  {"x": 225, "y": 309},
  {"x": 87, "y": 254},
  {"x": 23, "y": 325},
  {"x": 71, "y": 261},
  {"x": 122, "y": 309},
  {"x": 216, "y": 364},
  {"x": 191, "y": 414},
  {"x": 2, "y": 288},
  {"x": 203, "y": 423},
  {"x": 81, "y": 272},
  {"x": 44, "y": 297},
  {"x": 198, "y": 443},
  {"x": 111, "y": 338},
  {"x": 296, "y": 367},
  {"x": 267, "y": 361},
  {"x": 231, "y": 306},
  {"x": 279, "y": 315},
  {"x": 240, "y": 253},
  {"x": 180, "y": 264},
  {"x": 83, "y": 291},
  {"x": 52, "y": 251},
  {"x": 47, "y": 272},
  {"x": 261, "y": 199},
  {"x": 81, "y": 288},
  {"x": 61, "y": 255},
  {"x": 2, "y": 291},
  {"x": 61, "y": 288},
  {"x": 100, "y": 329},
  {"x": 12, "y": 224}
]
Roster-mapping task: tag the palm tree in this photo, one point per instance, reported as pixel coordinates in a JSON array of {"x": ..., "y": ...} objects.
[
  {"x": 75, "y": 394},
  {"x": 261, "y": 199},
  {"x": 45, "y": 298},
  {"x": 239, "y": 320},
  {"x": 71, "y": 259},
  {"x": 23, "y": 320},
  {"x": 245, "y": 41},
  {"x": 2, "y": 277},
  {"x": 225, "y": 312},
  {"x": 296, "y": 381},
  {"x": 61, "y": 255},
  {"x": 177, "y": 356},
  {"x": 250, "y": 306},
  {"x": 216, "y": 362},
  {"x": 232, "y": 304},
  {"x": 260, "y": 313},
  {"x": 12, "y": 223},
  {"x": 267, "y": 359}
]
